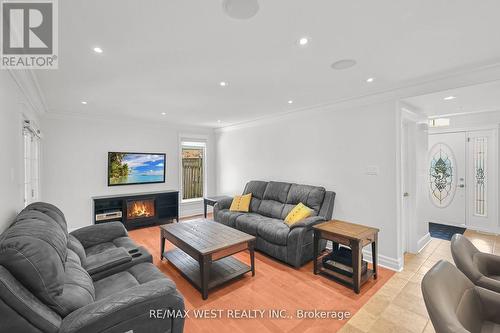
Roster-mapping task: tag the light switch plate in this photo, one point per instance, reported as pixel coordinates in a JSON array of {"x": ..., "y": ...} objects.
[{"x": 372, "y": 170}]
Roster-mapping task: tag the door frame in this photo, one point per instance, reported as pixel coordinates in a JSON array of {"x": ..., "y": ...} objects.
[
  {"x": 407, "y": 228},
  {"x": 496, "y": 228}
]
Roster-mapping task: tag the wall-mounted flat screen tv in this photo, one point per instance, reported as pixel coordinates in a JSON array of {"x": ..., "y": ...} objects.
[{"x": 136, "y": 168}]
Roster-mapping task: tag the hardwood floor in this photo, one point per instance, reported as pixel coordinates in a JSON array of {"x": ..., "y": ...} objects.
[{"x": 276, "y": 286}]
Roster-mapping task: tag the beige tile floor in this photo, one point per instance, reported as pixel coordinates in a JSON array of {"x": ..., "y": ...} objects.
[{"x": 398, "y": 306}]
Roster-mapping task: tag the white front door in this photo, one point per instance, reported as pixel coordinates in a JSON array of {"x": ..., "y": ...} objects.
[
  {"x": 447, "y": 178},
  {"x": 482, "y": 175}
]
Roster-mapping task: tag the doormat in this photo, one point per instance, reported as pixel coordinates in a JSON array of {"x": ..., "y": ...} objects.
[{"x": 443, "y": 231}]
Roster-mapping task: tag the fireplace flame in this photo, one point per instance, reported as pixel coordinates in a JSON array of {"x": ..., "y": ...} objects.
[{"x": 140, "y": 209}]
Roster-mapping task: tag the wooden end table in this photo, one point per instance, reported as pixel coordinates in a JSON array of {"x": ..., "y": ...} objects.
[
  {"x": 204, "y": 252},
  {"x": 356, "y": 236},
  {"x": 211, "y": 201}
]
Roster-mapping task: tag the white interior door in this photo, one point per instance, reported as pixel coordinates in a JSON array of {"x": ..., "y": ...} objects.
[
  {"x": 482, "y": 175},
  {"x": 447, "y": 177}
]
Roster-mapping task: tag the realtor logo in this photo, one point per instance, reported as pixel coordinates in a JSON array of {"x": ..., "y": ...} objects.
[{"x": 29, "y": 34}]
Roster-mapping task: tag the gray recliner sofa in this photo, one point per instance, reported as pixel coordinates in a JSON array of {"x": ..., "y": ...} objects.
[
  {"x": 45, "y": 287},
  {"x": 102, "y": 249},
  {"x": 271, "y": 203}
]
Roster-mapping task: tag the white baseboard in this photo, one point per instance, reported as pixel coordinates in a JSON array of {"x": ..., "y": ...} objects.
[
  {"x": 384, "y": 261},
  {"x": 423, "y": 242}
]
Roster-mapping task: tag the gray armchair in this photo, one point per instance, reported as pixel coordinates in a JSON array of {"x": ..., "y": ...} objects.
[
  {"x": 45, "y": 288},
  {"x": 483, "y": 269},
  {"x": 271, "y": 202},
  {"x": 456, "y": 305}
]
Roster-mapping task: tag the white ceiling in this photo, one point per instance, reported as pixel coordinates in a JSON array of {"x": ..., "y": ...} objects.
[
  {"x": 472, "y": 99},
  {"x": 169, "y": 56}
]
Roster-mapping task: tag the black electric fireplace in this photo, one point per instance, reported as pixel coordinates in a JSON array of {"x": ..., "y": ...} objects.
[{"x": 139, "y": 209}]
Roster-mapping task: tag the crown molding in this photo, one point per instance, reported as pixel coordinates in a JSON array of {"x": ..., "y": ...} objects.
[
  {"x": 457, "y": 79},
  {"x": 128, "y": 121},
  {"x": 27, "y": 82}
]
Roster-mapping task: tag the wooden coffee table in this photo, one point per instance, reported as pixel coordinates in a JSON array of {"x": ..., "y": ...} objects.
[{"x": 204, "y": 250}]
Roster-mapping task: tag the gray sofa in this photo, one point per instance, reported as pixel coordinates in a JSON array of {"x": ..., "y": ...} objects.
[
  {"x": 46, "y": 285},
  {"x": 271, "y": 203}
]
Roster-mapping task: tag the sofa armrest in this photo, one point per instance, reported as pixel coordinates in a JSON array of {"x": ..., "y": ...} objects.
[
  {"x": 99, "y": 233},
  {"x": 130, "y": 310},
  {"x": 224, "y": 203},
  {"x": 308, "y": 223},
  {"x": 24, "y": 304}
]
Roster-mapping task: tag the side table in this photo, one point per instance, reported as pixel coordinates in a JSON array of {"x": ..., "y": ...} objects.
[
  {"x": 356, "y": 236},
  {"x": 211, "y": 201}
]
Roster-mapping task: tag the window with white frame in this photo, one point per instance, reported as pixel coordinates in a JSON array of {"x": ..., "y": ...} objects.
[
  {"x": 193, "y": 165},
  {"x": 31, "y": 140}
]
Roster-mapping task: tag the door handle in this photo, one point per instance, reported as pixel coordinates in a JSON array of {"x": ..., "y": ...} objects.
[
  {"x": 406, "y": 194},
  {"x": 461, "y": 185}
]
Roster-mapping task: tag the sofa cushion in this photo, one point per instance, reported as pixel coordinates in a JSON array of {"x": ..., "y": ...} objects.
[
  {"x": 249, "y": 222},
  {"x": 99, "y": 248},
  {"x": 77, "y": 247},
  {"x": 256, "y": 187},
  {"x": 277, "y": 191},
  {"x": 105, "y": 260},
  {"x": 126, "y": 242},
  {"x": 311, "y": 196},
  {"x": 227, "y": 217},
  {"x": 271, "y": 208},
  {"x": 134, "y": 276},
  {"x": 34, "y": 251},
  {"x": 276, "y": 231},
  {"x": 50, "y": 210},
  {"x": 73, "y": 257},
  {"x": 77, "y": 292},
  {"x": 254, "y": 205}
]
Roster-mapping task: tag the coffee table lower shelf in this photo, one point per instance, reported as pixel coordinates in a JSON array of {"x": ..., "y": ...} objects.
[{"x": 221, "y": 271}]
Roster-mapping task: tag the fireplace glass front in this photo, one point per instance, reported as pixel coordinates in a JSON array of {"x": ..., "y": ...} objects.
[{"x": 140, "y": 209}]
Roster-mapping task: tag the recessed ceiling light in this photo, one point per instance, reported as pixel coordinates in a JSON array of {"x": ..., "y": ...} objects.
[
  {"x": 303, "y": 41},
  {"x": 219, "y": 121},
  {"x": 290, "y": 102},
  {"x": 343, "y": 64},
  {"x": 84, "y": 103},
  {"x": 449, "y": 98},
  {"x": 241, "y": 9},
  {"x": 370, "y": 79},
  {"x": 223, "y": 83},
  {"x": 163, "y": 113},
  {"x": 97, "y": 50}
]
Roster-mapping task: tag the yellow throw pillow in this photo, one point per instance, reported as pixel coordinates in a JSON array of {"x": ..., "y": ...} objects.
[
  {"x": 298, "y": 213},
  {"x": 241, "y": 203}
]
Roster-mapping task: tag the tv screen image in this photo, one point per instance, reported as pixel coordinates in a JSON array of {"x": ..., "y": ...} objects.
[{"x": 135, "y": 168}]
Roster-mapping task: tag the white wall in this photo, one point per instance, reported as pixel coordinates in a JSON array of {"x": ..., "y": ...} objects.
[
  {"x": 469, "y": 121},
  {"x": 13, "y": 109},
  {"x": 75, "y": 154},
  {"x": 326, "y": 147}
]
